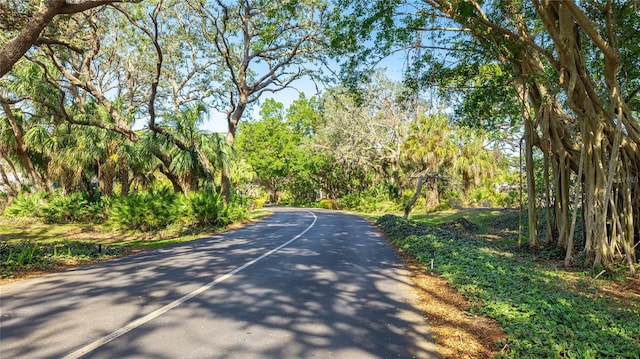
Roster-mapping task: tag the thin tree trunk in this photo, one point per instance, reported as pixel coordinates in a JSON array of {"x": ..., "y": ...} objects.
[
  {"x": 21, "y": 150},
  {"x": 14, "y": 172},
  {"x": 165, "y": 169},
  {"x": 175, "y": 181},
  {"x": 564, "y": 190},
  {"x": 547, "y": 198},
  {"x": 415, "y": 197},
  {"x": 531, "y": 185},
  {"x": 232, "y": 121},
  {"x": 569, "y": 249},
  {"x": 12, "y": 191},
  {"x": 87, "y": 186},
  {"x": 125, "y": 179}
]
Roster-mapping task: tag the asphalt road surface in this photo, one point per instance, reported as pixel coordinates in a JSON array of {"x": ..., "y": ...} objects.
[{"x": 298, "y": 284}]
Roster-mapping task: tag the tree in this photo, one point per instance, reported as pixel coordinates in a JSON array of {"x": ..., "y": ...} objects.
[
  {"x": 147, "y": 53},
  {"x": 427, "y": 150},
  {"x": 574, "y": 70},
  {"x": 367, "y": 128},
  {"x": 473, "y": 162},
  {"x": 265, "y": 47},
  {"x": 270, "y": 147},
  {"x": 33, "y": 21}
]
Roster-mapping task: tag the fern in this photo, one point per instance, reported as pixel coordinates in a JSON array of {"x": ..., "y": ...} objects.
[{"x": 26, "y": 205}]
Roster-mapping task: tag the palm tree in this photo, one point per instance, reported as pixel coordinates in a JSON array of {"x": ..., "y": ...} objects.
[
  {"x": 188, "y": 145},
  {"x": 17, "y": 124},
  {"x": 474, "y": 162},
  {"x": 427, "y": 149}
]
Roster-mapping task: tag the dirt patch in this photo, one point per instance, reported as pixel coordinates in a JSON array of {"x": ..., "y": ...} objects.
[
  {"x": 460, "y": 226},
  {"x": 458, "y": 334},
  {"x": 624, "y": 293}
]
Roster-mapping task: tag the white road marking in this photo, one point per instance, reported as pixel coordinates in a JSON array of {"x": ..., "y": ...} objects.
[{"x": 160, "y": 311}]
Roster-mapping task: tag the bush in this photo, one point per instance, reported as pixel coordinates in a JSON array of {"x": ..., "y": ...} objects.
[
  {"x": 26, "y": 205},
  {"x": 149, "y": 211},
  {"x": 56, "y": 208},
  {"x": 234, "y": 212},
  {"x": 65, "y": 209},
  {"x": 374, "y": 200},
  {"x": 143, "y": 211},
  {"x": 350, "y": 201},
  {"x": 28, "y": 255},
  {"x": 328, "y": 204},
  {"x": 257, "y": 203},
  {"x": 204, "y": 208}
]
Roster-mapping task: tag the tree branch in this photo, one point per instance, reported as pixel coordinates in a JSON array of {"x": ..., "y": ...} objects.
[
  {"x": 15, "y": 48},
  {"x": 44, "y": 40}
]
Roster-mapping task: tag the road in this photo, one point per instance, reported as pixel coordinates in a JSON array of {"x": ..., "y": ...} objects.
[{"x": 298, "y": 284}]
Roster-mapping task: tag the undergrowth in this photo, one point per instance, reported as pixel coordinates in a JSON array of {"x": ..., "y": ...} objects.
[
  {"x": 24, "y": 256},
  {"x": 145, "y": 211},
  {"x": 542, "y": 316}
]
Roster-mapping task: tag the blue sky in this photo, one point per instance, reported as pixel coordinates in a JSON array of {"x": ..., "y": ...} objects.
[{"x": 217, "y": 122}]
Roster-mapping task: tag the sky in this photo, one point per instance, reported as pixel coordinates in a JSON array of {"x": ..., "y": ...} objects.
[
  {"x": 217, "y": 121},
  {"x": 393, "y": 66}
]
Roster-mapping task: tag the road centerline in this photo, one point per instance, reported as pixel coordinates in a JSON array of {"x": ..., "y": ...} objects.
[{"x": 164, "y": 309}]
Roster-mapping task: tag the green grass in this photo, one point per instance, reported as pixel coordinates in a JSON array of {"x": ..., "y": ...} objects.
[
  {"x": 546, "y": 312},
  {"x": 28, "y": 245}
]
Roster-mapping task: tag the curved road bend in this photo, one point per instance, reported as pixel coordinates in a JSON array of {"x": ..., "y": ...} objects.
[{"x": 298, "y": 284}]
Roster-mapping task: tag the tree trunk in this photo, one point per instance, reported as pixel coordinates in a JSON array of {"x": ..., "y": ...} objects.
[
  {"x": 531, "y": 185},
  {"x": 165, "y": 169},
  {"x": 232, "y": 121},
  {"x": 125, "y": 179},
  {"x": 14, "y": 172},
  {"x": 547, "y": 200},
  {"x": 21, "y": 150},
  {"x": 569, "y": 248},
  {"x": 11, "y": 190},
  {"x": 106, "y": 177},
  {"x": 415, "y": 197},
  {"x": 15, "y": 48},
  {"x": 432, "y": 195},
  {"x": 87, "y": 186},
  {"x": 175, "y": 181}
]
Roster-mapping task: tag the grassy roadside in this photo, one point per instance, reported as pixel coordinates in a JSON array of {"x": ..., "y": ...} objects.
[
  {"x": 545, "y": 311},
  {"x": 29, "y": 247}
]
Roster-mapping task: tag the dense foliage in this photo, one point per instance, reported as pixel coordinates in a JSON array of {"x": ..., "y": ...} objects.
[
  {"x": 561, "y": 74},
  {"x": 535, "y": 304},
  {"x": 366, "y": 155},
  {"x": 151, "y": 210},
  {"x": 27, "y": 256}
]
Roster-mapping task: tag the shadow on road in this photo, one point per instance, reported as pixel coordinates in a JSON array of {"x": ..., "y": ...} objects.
[{"x": 339, "y": 291}]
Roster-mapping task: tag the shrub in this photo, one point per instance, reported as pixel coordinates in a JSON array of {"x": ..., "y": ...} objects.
[
  {"x": 27, "y": 255},
  {"x": 257, "y": 203},
  {"x": 148, "y": 211},
  {"x": 203, "y": 208},
  {"x": 26, "y": 205},
  {"x": 234, "y": 212},
  {"x": 64, "y": 209},
  {"x": 56, "y": 208},
  {"x": 350, "y": 201},
  {"x": 328, "y": 204}
]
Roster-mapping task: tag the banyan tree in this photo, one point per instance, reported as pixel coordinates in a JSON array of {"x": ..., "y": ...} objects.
[
  {"x": 578, "y": 110},
  {"x": 574, "y": 73}
]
